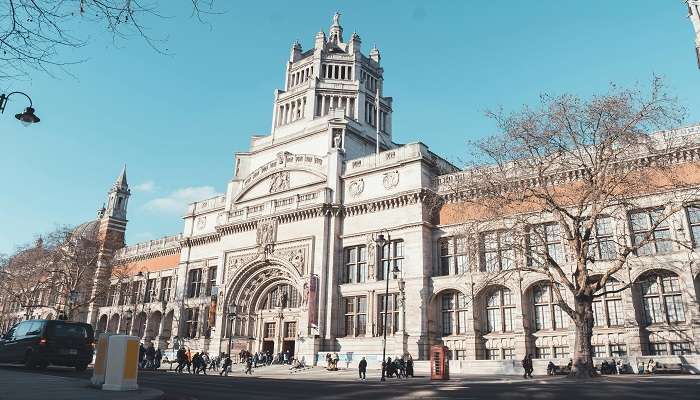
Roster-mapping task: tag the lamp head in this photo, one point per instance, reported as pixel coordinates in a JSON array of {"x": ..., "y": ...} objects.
[
  {"x": 27, "y": 117},
  {"x": 380, "y": 240}
]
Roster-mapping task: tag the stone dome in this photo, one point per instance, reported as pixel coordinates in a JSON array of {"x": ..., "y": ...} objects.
[{"x": 88, "y": 230}]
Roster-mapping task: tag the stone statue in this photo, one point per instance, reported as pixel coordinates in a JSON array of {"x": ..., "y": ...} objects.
[
  {"x": 336, "y": 18},
  {"x": 297, "y": 260},
  {"x": 279, "y": 181},
  {"x": 282, "y": 303},
  {"x": 305, "y": 299}
]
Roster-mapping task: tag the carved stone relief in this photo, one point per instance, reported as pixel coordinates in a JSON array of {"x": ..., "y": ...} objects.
[
  {"x": 390, "y": 179},
  {"x": 371, "y": 256},
  {"x": 356, "y": 187},
  {"x": 201, "y": 222},
  {"x": 266, "y": 235},
  {"x": 279, "y": 181}
]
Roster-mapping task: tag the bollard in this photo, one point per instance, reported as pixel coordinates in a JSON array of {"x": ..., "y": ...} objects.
[
  {"x": 121, "y": 371},
  {"x": 98, "y": 372}
]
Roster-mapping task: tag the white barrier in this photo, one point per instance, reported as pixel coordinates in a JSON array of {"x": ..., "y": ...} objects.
[
  {"x": 98, "y": 372},
  {"x": 121, "y": 363}
]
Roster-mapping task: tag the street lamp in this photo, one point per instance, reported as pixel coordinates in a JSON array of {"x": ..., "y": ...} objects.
[
  {"x": 381, "y": 242},
  {"x": 27, "y": 117},
  {"x": 231, "y": 310}
]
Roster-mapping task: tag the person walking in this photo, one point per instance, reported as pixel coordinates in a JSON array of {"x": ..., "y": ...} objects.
[
  {"x": 158, "y": 358},
  {"x": 188, "y": 357},
  {"x": 527, "y": 366},
  {"x": 150, "y": 357},
  {"x": 142, "y": 356},
  {"x": 249, "y": 366},
  {"x": 362, "y": 368},
  {"x": 181, "y": 360},
  {"x": 226, "y": 367},
  {"x": 409, "y": 366}
]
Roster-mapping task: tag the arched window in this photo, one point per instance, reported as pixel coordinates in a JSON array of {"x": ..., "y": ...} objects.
[
  {"x": 275, "y": 296},
  {"x": 662, "y": 299},
  {"x": 454, "y": 313},
  {"x": 607, "y": 310},
  {"x": 548, "y": 314},
  {"x": 500, "y": 308}
]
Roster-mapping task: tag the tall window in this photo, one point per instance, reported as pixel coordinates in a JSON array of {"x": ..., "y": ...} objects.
[
  {"x": 543, "y": 240},
  {"x": 453, "y": 256},
  {"x": 192, "y": 322},
  {"x": 150, "y": 294},
  {"x": 603, "y": 247},
  {"x": 123, "y": 293},
  {"x": 392, "y": 256},
  {"x": 650, "y": 223},
  {"x": 355, "y": 316},
  {"x": 165, "y": 284},
  {"x": 454, "y": 313},
  {"x": 661, "y": 295},
  {"x": 608, "y": 311},
  {"x": 500, "y": 309},
  {"x": 290, "y": 329},
  {"x": 275, "y": 297},
  {"x": 194, "y": 283},
  {"x": 113, "y": 295},
  {"x": 694, "y": 222},
  {"x": 392, "y": 315},
  {"x": 355, "y": 264},
  {"x": 497, "y": 251},
  {"x": 548, "y": 314},
  {"x": 211, "y": 280},
  {"x": 269, "y": 330}
]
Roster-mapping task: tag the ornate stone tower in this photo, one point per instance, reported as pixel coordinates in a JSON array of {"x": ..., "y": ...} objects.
[
  {"x": 335, "y": 85},
  {"x": 694, "y": 15},
  {"x": 112, "y": 227}
]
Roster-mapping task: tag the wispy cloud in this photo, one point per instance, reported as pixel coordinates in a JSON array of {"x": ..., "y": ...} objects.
[
  {"x": 147, "y": 186},
  {"x": 177, "y": 201}
]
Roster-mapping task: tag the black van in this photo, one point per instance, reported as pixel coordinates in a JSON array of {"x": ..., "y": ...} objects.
[{"x": 38, "y": 343}]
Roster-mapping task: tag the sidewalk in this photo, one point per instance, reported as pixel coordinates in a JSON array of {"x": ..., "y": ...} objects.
[{"x": 25, "y": 385}]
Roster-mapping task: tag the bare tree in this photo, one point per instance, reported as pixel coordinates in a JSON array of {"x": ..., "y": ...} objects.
[
  {"x": 58, "y": 273},
  {"x": 545, "y": 192},
  {"x": 34, "y": 34}
]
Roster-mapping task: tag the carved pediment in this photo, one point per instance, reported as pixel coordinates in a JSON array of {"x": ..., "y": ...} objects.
[{"x": 279, "y": 181}]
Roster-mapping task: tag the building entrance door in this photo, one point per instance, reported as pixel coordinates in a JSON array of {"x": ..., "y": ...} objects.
[
  {"x": 288, "y": 345},
  {"x": 268, "y": 346}
]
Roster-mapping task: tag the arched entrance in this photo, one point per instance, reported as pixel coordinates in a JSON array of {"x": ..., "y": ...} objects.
[
  {"x": 113, "y": 324},
  {"x": 270, "y": 307},
  {"x": 102, "y": 324},
  {"x": 153, "y": 329}
]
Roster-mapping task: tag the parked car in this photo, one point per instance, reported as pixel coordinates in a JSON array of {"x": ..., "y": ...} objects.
[{"x": 38, "y": 343}]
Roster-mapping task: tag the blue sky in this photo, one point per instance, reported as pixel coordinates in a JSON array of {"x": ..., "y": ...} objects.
[{"x": 176, "y": 120}]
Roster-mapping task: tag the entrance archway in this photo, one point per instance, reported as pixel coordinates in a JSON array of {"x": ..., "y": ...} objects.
[{"x": 269, "y": 307}]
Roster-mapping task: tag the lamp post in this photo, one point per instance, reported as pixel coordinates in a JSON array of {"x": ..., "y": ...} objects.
[
  {"x": 231, "y": 310},
  {"x": 27, "y": 117},
  {"x": 381, "y": 242}
]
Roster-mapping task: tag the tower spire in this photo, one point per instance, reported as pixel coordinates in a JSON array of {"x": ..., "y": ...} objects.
[{"x": 121, "y": 180}]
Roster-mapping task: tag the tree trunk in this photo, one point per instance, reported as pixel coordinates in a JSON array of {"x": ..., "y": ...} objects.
[{"x": 583, "y": 350}]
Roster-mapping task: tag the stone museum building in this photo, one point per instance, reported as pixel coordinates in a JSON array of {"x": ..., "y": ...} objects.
[{"x": 291, "y": 258}]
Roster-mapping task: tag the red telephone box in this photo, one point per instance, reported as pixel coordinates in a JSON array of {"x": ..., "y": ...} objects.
[{"x": 439, "y": 363}]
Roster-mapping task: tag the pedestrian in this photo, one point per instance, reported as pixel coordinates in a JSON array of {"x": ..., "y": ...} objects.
[
  {"x": 362, "y": 368},
  {"x": 387, "y": 367},
  {"x": 409, "y": 366},
  {"x": 204, "y": 362},
  {"x": 226, "y": 367},
  {"x": 142, "y": 355},
  {"x": 188, "y": 357},
  {"x": 527, "y": 366},
  {"x": 249, "y": 366},
  {"x": 181, "y": 360},
  {"x": 550, "y": 368},
  {"x": 336, "y": 358},
  {"x": 328, "y": 361},
  {"x": 158, "y": 358},
  {"x": 150, "y": 356}
]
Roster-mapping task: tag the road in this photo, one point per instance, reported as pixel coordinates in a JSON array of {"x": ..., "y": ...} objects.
[{"x": 345, "y": 386}]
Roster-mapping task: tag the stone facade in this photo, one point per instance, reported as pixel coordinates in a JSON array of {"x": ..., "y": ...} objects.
[{"x": 287, "y": 258}]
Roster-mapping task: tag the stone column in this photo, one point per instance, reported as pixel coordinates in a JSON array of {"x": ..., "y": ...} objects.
[{"x": 323, "y": 106}]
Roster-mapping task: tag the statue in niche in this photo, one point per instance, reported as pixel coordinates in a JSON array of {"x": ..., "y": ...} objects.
[
  {"x": 282, "y": 302},
  {"x": 305, "y": 299},
  {"x": 371, "y": 253}
]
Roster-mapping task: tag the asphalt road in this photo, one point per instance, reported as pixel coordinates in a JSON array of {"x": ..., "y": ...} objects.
[{"x": 200, "y": 387}]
